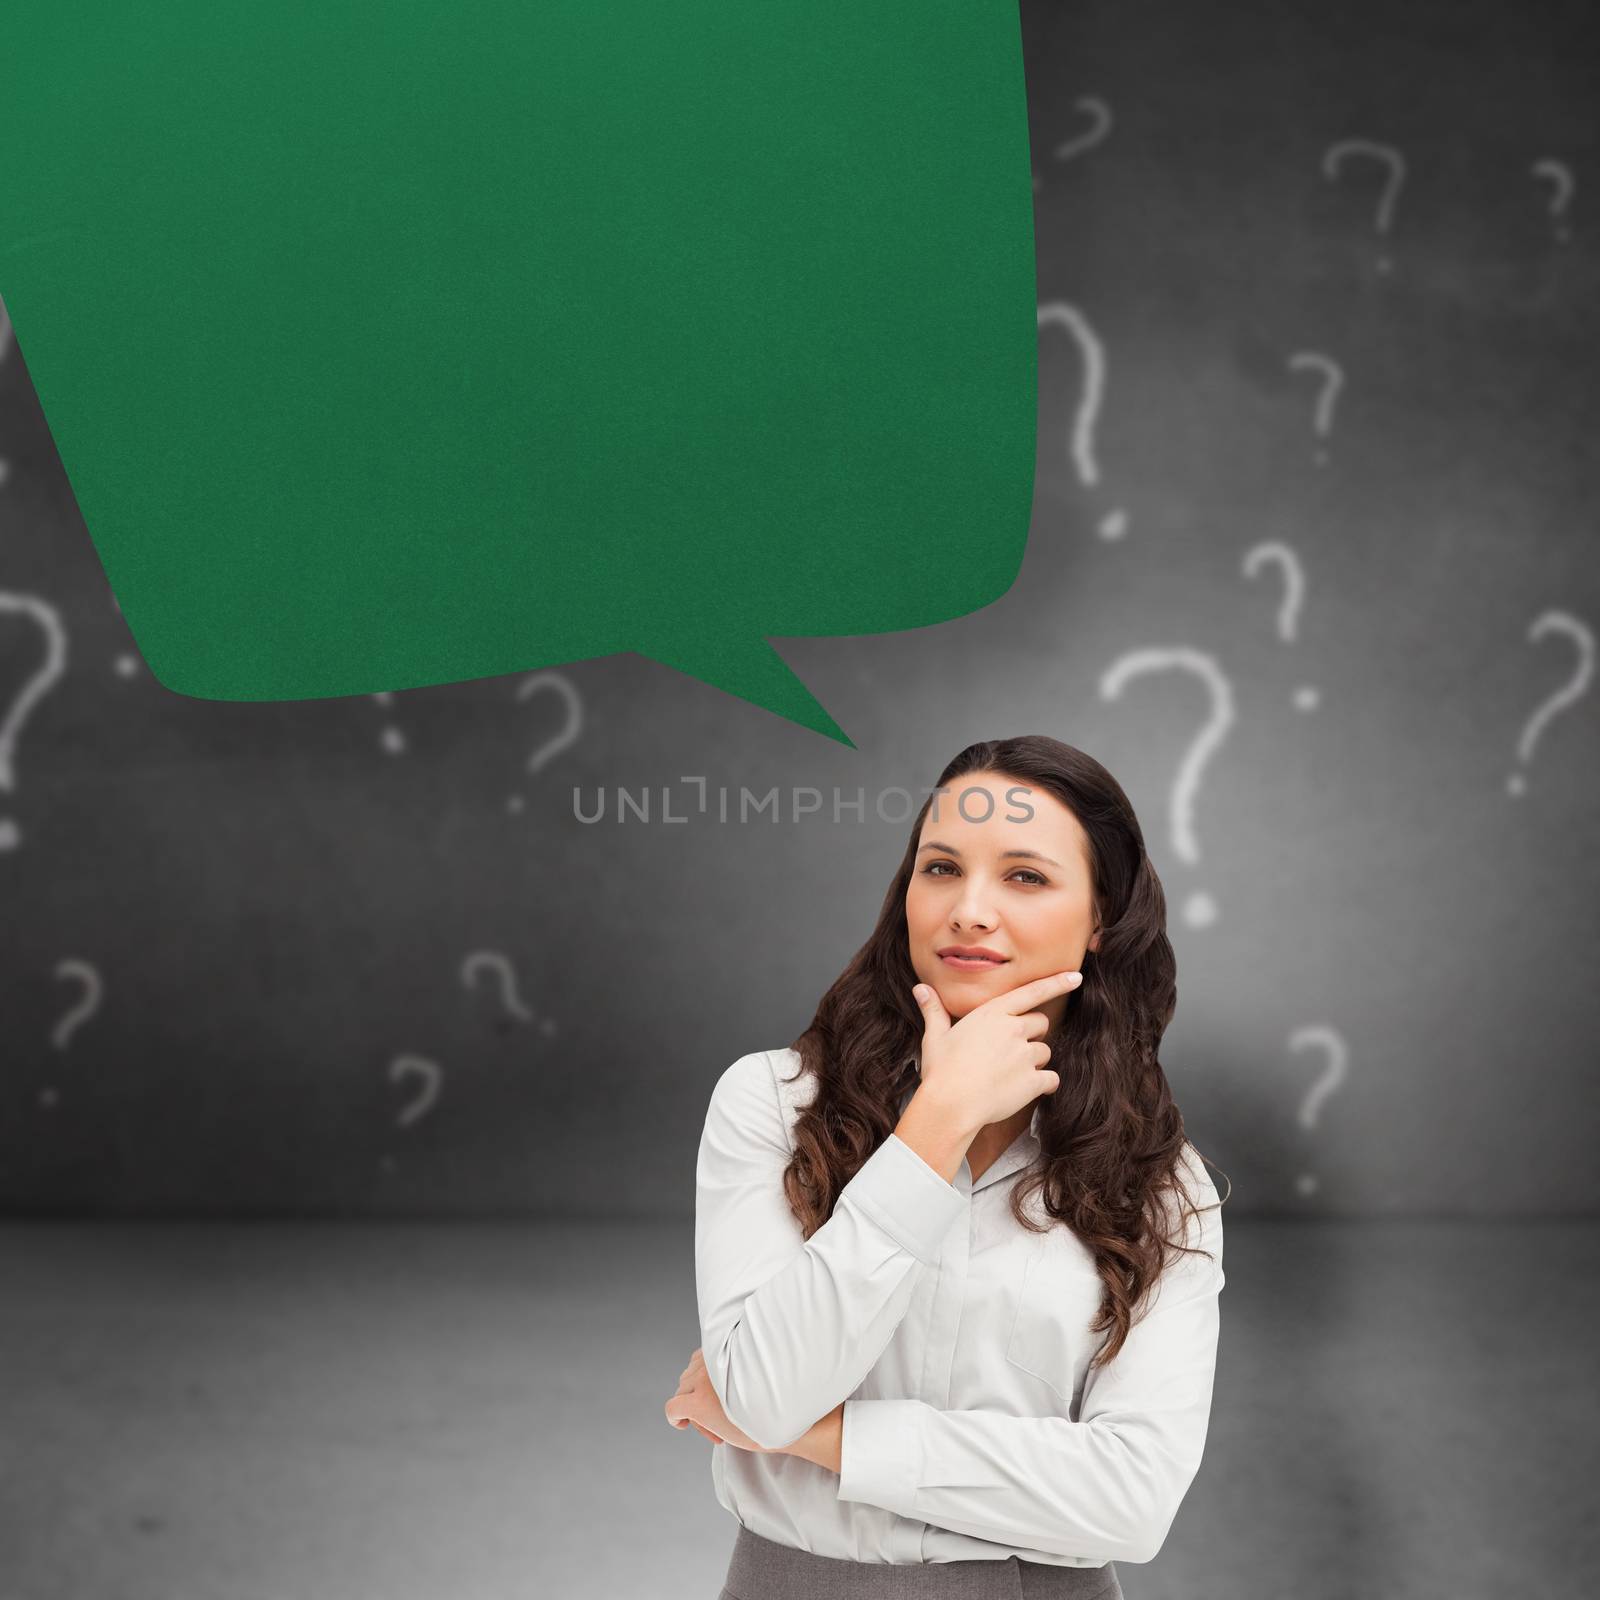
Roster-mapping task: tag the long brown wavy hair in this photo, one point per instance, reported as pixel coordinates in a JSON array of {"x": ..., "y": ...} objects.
[{"x": 1111, "y": 1137}]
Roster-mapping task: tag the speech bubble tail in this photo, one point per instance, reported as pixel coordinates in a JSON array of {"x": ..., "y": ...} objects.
[{"x": 752, "y": 670}]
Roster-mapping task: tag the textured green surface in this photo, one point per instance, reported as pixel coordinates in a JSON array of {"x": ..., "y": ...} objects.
[{"x": 397, "y": 344}]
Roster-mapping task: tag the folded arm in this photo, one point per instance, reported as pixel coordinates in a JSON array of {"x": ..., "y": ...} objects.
[
  {"x": 790, "y": 1326},
  {"x": 1106, "y": 1487}
]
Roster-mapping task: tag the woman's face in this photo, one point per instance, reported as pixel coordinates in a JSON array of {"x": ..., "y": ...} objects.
[{"x": 1003, "y": 865}]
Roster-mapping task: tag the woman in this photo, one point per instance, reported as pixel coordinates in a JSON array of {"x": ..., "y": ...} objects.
[{"x": 958, "y": 1304}]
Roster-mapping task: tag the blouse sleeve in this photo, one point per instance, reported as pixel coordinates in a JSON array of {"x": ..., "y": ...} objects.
[
  {"x": 1103, "y": 1488},
  {"x": 790, "y": 1326}
]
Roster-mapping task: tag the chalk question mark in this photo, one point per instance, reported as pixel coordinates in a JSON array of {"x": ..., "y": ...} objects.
[
  {"x": 1583, "y": 641},
  {"x": 1332, "y": 375},
  {"x": 569, "y": 695},
  {"x": 1294, "y": 592},
  {"x": 1318, "y": 1036},
  {"x": 1200, "y": 909},
  {"x": 127, "y": 663},
  {"x": 392, "y": 739},
  {"x": 1559, "y": 175},
  {"x": 432, "y": 1077},
  {"x": 500, "y": 964},
  {"x": 33, "y": 690},
  {"x": 1059, "y": 314},
  {"x": 1099, "y": 114},
  {"x": 1372, "y": 151},
  {"x": 85, "y": 974}
]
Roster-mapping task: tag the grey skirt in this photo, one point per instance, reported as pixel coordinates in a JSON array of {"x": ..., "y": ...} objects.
[{"x": 762, "y": 1569}]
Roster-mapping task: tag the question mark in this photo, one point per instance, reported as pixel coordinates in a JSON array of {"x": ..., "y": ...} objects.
[
  {"x": 392, "y": 739},
  {"x": 508, "y": 985},
  {"x": 532, "y": 685},
  {"x": 496, "y": 962},
  {"x": 126, "y": 664},
  {"x": 1390, "y": 157},
  {"x": 1320, "y": 1037},
  {"x": 1058, "y": 313},
  {"x": 1583, "y": 639},
  {"x": 1294, "y": 589},
  {"x": 86, "y": 1008},
  {"x": 49, "y": 619},
  {"x": 1200, "y": 909},
  {"x": 1332, "y": 383},
  {"x": 1099, "y": 114},
  {"x": 1559, "y": 174},
  {"x": 428, "y": 1071}
]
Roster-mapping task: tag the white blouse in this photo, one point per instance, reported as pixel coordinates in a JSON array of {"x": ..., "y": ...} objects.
[{"x": 959, "y": 1343}]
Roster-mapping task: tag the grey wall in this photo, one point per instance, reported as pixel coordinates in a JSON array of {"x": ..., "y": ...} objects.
[{"x": 1386, "y": 993}]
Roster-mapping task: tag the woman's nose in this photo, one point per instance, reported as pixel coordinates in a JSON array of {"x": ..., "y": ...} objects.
[{"x": 973, "y": 911}]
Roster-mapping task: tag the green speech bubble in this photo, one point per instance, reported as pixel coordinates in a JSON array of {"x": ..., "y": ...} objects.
[{"x": 403, "y": 343}]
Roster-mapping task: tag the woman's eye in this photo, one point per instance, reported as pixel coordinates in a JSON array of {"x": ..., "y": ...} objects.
[{"x": 1025, "y": 872}]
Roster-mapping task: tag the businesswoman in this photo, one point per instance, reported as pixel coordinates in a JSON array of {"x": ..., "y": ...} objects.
[{"x": 957, "y": 1264}]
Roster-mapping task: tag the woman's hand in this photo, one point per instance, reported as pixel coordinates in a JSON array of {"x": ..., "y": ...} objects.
[
  {"x": 696, "y": 1405},
  {"x": 989, "y": 1063}
]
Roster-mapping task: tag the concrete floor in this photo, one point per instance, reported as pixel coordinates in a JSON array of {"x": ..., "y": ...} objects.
[{"x": 209, "y": 1411}]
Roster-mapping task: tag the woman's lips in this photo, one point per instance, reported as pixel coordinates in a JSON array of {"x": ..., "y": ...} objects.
[{"x": 970, "y": 963}]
